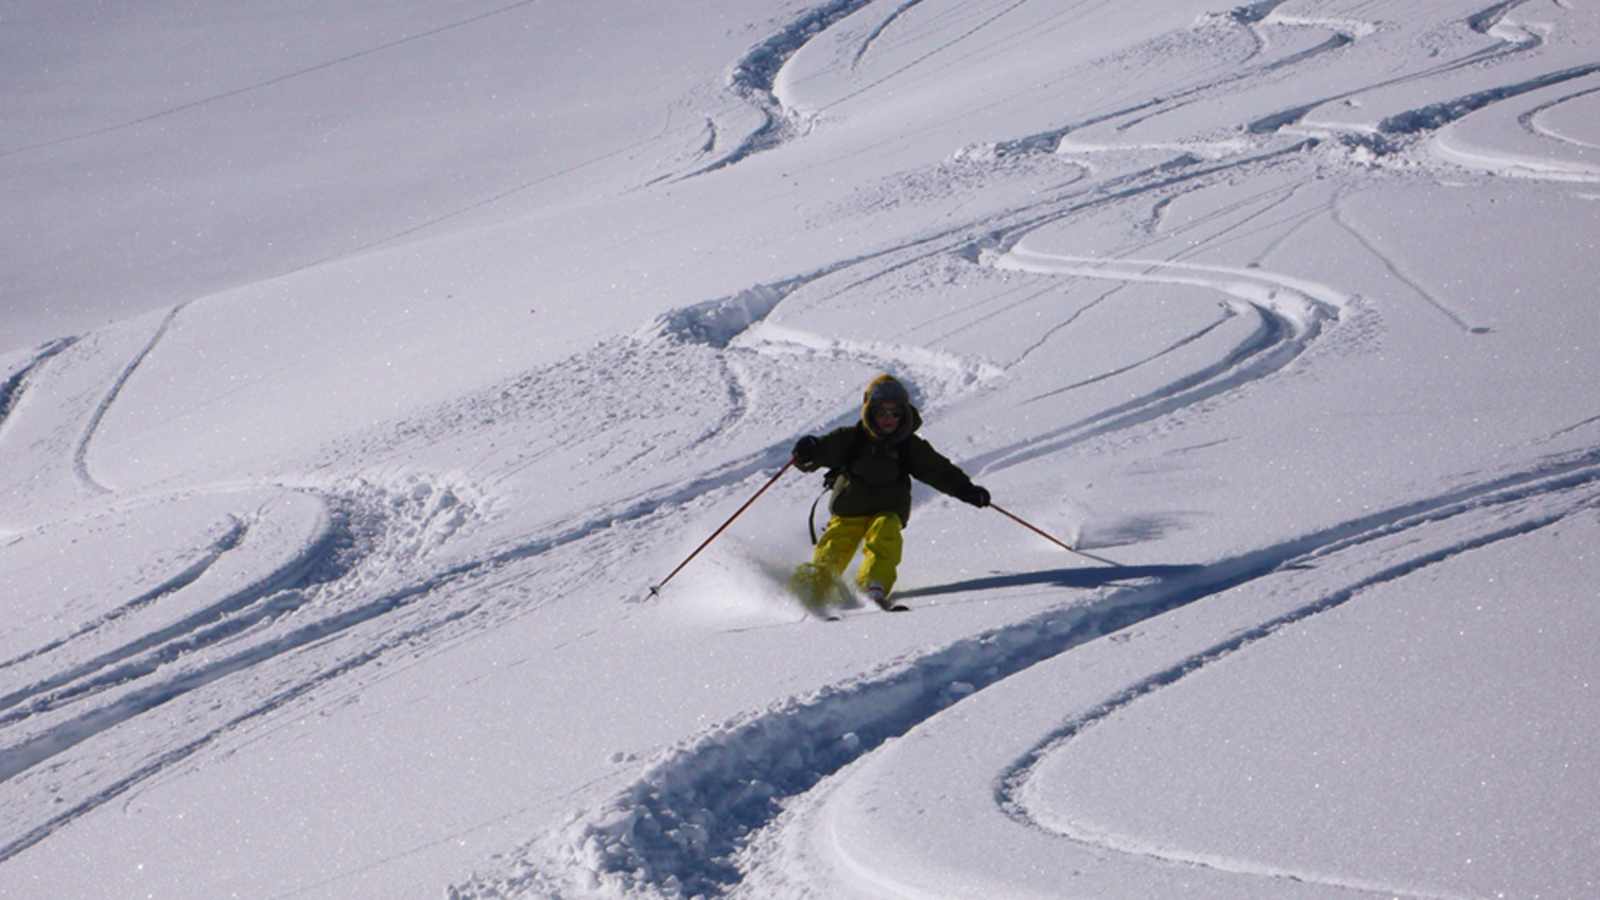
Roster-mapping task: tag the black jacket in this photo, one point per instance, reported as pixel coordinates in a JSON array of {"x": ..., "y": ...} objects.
[{"x": 875, "y": 473}]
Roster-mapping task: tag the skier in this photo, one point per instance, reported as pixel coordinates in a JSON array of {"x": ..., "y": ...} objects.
[{"x": 871, "y": 464}]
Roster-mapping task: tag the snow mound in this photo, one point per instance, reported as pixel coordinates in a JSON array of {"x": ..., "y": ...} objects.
[{"x": 716, "y": 322}]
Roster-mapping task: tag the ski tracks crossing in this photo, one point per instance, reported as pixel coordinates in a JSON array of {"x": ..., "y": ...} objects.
[
  {"x": 686, "y": 826},
  {"x": 682, "y": 826},
  {"x": 246, "y": 574}
]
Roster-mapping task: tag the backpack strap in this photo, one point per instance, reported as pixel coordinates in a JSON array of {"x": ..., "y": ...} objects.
[
  {"x": 812, "y": 519},
  {"x": 831, "y": 477}
]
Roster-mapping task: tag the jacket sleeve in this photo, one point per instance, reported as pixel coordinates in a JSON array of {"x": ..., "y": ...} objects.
[
  {"x": 932, "y": 468},
  {"x": 833, "y": 452}
]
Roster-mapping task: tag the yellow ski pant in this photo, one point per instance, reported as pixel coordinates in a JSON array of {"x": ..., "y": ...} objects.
[{"x": 881, "y": 536}]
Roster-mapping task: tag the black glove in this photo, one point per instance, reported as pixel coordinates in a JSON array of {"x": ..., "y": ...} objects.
[
  {"x": 805, "y": 452},
  {"x": 975, "y": 495}
]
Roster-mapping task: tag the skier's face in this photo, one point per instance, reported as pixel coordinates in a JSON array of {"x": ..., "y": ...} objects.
[{"x": 886, "y": 417}]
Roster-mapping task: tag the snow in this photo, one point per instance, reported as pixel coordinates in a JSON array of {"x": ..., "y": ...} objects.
[{"x": 362, "y": 369}]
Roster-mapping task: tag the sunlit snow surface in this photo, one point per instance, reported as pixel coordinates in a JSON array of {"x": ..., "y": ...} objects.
[{"x": 363, "y": 366}]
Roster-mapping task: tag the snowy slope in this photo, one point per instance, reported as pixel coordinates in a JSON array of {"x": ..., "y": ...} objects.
[{"x": 362, "y": 368}]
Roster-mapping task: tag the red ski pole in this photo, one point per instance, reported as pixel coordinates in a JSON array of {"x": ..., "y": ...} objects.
[
  {"x": 1062, "y": 544},
  {"x": 774, "y": 480}
]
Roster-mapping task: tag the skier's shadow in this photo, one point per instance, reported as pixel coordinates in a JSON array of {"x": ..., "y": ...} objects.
[{"x": 1083, "y": 577}]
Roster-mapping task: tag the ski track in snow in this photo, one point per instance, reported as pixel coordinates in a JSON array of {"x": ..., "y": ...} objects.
[
  {"x": 12, "y": 389},
  {"x": 1290, "y": 313},
  {"x": 1394, "y": 268},
  {"x": 1345, "y": 34},
  {"x": 678, "y": 830},
  {"x": 1253, "y": 18},
  {"x": 1487, "y": 23},
  {"x": 261, "y": 85},
  {"x": 80, "y": 454},
  {"x": 1452, "y": 148},
  {"x": 139, "y": 673},
  {"x": 753, "y": 76},
  {"x": 1435, "y": 116},
  {"x": 340, "y": 570},
  {"x": 1492, "y": 22},
  {"x": 366, "y": 533},
  {"x": 1575, "y": 480},
  {"x": 152, "y": 649},
  {"x": 879, "y": 81},
  {"x": 877, "y": 32},
  {"x": 189, "y": 575},
  {"x": 1530, "y": 121},
  {"x": 147, "y": 699}
]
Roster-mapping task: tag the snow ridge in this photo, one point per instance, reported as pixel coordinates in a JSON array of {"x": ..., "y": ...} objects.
[
  {"x": 716, "y": 323},
  {"x": 1490, "y": 21},
  {"x": 1437, "y": 115}
]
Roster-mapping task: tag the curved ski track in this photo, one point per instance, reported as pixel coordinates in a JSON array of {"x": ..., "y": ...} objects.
[
  {"x": 1530, "y": 120},
  {"x": 172, "y": 585},
  {"x": 1508, "y": 42},
  {"x": 1009, "y": 794},
  {"x": 80, "y": 454},
  {"x": 11, "y": 390},
  {"x": 351, "y": 554},
  {"x": 754, "y": 74},
  {"x": 1291, "y": 314},
  {"x": 331, "y": 574},
  {"x": 879, "y": 29},
  {"x": 1251, "y": 18},
  {"x": 679, "y": 828}
]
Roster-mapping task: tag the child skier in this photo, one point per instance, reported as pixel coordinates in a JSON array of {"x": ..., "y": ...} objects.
[{"x": 871, "y": 464}]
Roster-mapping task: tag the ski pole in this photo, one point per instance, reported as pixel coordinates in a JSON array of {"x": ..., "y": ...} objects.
[
  {"x": 774, "y": 480},
  {"x": 1063, "y": 545}
]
